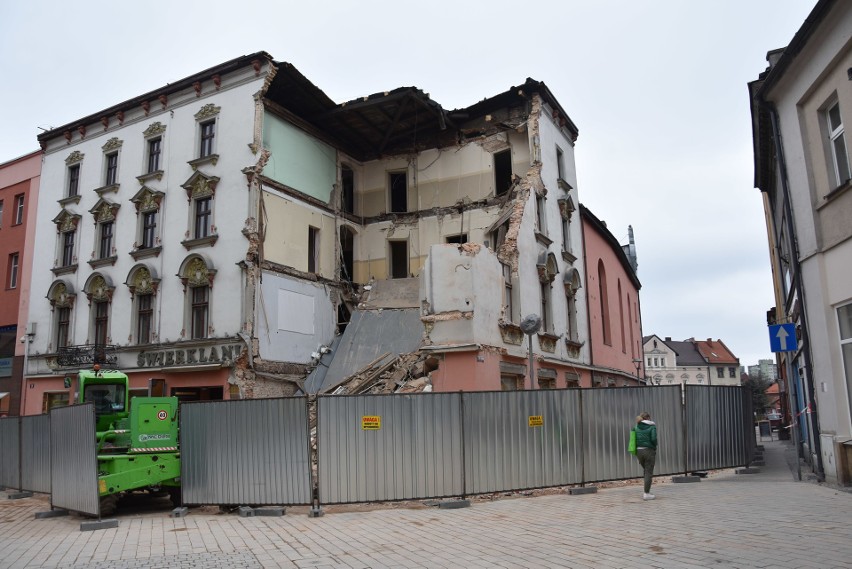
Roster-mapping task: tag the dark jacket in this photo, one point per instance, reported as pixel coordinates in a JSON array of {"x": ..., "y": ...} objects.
[{"x": 646, "y": 434}]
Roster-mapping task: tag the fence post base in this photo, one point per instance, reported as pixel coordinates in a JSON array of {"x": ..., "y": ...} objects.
[
  {"x": 99, "y": 524},
  {"x": 453, "y": 504},
  {"x": 179, "y": 512},
  {"x": 316, "y": 512},
  {"x": 272, "y": 511},
  {"x": 685, "y": 479},
  {"x": 19, "y": 495},
  {"x": 583, "y": 490}
]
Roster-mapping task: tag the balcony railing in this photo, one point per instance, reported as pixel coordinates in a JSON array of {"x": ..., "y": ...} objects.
[{"x": 87, "y": 355}]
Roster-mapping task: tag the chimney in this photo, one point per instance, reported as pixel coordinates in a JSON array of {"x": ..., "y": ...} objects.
[{"x": 668, "y": 338}]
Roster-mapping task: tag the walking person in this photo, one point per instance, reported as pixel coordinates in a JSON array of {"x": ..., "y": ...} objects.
[{"x": 646, "y": 449}]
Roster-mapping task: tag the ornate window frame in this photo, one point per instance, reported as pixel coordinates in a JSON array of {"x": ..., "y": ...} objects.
[
  {"x": 60, "y": 295},
  {"x": 73, "y": 169},
  {"x": 66, "y": 222},
  {"x": 147, "y": 201},
  {"x": 156, "y": 130},
  {"x": 111, "y": 148},
  {"x": 208, "y": 114},
  {"x": 99, "y": 289},
  {"x": 142, "y": 280},
  {"x": 196, "y": 271},
  {"x": 199, "y": 187},
  {"x": 104, "y": 212}
]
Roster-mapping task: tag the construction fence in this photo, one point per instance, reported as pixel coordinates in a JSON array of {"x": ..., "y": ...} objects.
[{"x": 365, "y": 448}]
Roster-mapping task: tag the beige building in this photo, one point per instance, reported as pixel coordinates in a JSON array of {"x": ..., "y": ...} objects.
[{"x": 801, "y": 108}]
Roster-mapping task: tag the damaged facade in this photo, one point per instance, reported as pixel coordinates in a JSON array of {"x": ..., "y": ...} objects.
[{"x": 222, "y": 231}]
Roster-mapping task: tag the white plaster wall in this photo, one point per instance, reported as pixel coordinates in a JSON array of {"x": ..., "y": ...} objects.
[
  {"x": 294, "y": 318},
  {"x": 234, "y": 133}
]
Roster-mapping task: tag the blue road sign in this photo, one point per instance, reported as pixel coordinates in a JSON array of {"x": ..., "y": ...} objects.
[{"x": 782, "y": 338}]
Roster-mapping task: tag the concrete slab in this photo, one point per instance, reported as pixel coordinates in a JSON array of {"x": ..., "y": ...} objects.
[
  {"x": 246, "y": 512},
  {"x": 579, "y": 491},
  {"x": 98, "y": 524},
  {"x": 271, "y": 511},
  {"x": 20, "y": 495},
  {"x": 685, "y": 479},
  {"x": 454, "y": 504}
]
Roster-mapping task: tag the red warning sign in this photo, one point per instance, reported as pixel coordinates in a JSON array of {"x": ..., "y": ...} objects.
[{"x": 163, "y": 415}]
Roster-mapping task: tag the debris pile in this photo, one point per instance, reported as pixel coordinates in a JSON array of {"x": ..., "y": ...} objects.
[{"x": 405, "y": 373}]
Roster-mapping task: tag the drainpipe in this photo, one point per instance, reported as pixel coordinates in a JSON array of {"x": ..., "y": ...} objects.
[
  {"x": 588, "y": 304},
  {"x": 800, "y": 291}
]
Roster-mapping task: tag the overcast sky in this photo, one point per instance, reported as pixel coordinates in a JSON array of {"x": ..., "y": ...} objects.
[{"x": 657, "y": 89}]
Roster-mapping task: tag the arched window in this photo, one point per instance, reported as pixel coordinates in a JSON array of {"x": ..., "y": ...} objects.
[
  {"x": 604, "y": 299},
  {"x": 61, "y": 296},
  {"x": 197, "y": 274}
]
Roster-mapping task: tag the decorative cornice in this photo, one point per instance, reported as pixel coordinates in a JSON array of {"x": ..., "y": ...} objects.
[
  {"x": 66, "y": 221},
  {"x": 207, "y": 111},
  {"x": 197, "y": 273},
  {"x": 147, "y": 200},
  {"x": 112, "y": 144},
  {"x": 104, "y": 211},
  {"x": 74, "y": 158},
  {"x": 99, "y": 290},
  {"x": 155, "y": 129}
]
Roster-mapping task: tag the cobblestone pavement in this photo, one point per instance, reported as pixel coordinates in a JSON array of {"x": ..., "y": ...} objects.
[{"x": 727, "y": 520}]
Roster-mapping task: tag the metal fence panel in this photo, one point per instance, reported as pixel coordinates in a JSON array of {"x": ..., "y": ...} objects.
[
  {"x": 389, "y": 447},
  {"x": 35, "y": 453},
  {"x": 10, "y": 456},
  {"x": 609, "y": 415},
  {"x": 73, "y": 459},
  {"x": 716, "y": 426},
  {"x": 521, "y": 439},
  {"x": 245, "y": 452}
]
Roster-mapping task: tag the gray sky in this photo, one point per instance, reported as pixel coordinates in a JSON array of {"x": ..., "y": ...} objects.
[{"x": 657, "y": 89}]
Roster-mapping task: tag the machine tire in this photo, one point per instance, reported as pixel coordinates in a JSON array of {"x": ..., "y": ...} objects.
[{"x": 109, "y": 504}]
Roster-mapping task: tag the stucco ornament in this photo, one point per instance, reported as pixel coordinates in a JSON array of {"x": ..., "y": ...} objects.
[
  {"x": 99, "y": 289},
  {"x": 142, "y": 282},
  {"x": 60, "y": 296},
  {"x": 207, "y": 111},
  {"x": 154, "y": 130},
  {"x": 202, "y": 188},
  {"x": 74, "y": 157},
  {"x": 106, "y": 213},
  {"x": 112, "y": 144},
  {"x": 197, "y": 273}
]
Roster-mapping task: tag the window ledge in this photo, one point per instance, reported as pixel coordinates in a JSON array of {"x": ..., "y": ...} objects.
[
  {"x": 563, "y": 185},
  {"x": 568, "y": 257},
  {"x": 543, "y": 239},
  {"x": 511, "y": 333},
  {"x": 573, "y": 348},
  {"x": 112, "y": 188},
  {"x": 836, "y": 192},
  {"x": 64, "y": 270},
  {"x": 69, "y": 200},
  {"x": 211, "y": 159},
  {"x": 146, "y": 252},
  {"x": 156, "y": 174},
  {"x": 547, "y": 341},
  {"x": 95, "y": 263},
  {"x": 201, "y": 242}
]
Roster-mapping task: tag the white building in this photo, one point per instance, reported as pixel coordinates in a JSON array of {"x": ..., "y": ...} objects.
[{"x": 210, "y": 231}]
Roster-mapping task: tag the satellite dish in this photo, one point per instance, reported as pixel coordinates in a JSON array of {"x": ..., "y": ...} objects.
[{"x": 530, "y": 324}]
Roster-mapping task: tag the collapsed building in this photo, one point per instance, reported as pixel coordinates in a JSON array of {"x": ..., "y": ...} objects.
[{"x": 274, "y": 242}]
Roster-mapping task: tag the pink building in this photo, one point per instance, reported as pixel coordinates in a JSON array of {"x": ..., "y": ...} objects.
[
  {"x": 19, "y": 179},
  {"x": 615, "y": 320}
]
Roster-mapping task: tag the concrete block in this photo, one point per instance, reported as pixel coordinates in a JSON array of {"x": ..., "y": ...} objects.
[
  {"x": 98, "y": 524},
  {"x": 246, "y": 512},
  {"x": 179, "y": 512},
  {"x": 316, "y": 512},
  {"x": 760, "y": 448},
  {"x": 454, "y": 504},
  {"x": 747, "y": 471},
  {"x": 685, "y": 479},
  {"x": 271, "y": 511},
  {"x": 19, "y": 495},
  {"x": 758, "y": 463},
  {"x": 50, "y": 514},
  {"x": 583, "y": 490}
]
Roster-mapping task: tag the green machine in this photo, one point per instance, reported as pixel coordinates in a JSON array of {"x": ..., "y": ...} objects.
[{"x": 137, "y": 438}]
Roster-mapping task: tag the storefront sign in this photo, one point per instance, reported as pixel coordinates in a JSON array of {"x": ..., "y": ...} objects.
[
  {"x": 189, "y": 356},
  {"x": 5, "y": 367}
]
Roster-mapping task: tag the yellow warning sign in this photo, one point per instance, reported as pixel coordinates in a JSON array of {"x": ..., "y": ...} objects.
[
  {"x": 536, "y": 421},
  {"x": 101, "y": 486},
  {"x": 371, "y": 422}
]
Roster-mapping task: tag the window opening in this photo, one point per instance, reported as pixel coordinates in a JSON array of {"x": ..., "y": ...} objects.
[
  {"x": 398, "y": 182},
  {"x": 502, "y": 171}
]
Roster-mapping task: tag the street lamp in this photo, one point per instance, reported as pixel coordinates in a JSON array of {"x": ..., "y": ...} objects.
[
  {"x": 529, "y": 326},
  {"x": 638, "y": 363}
]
